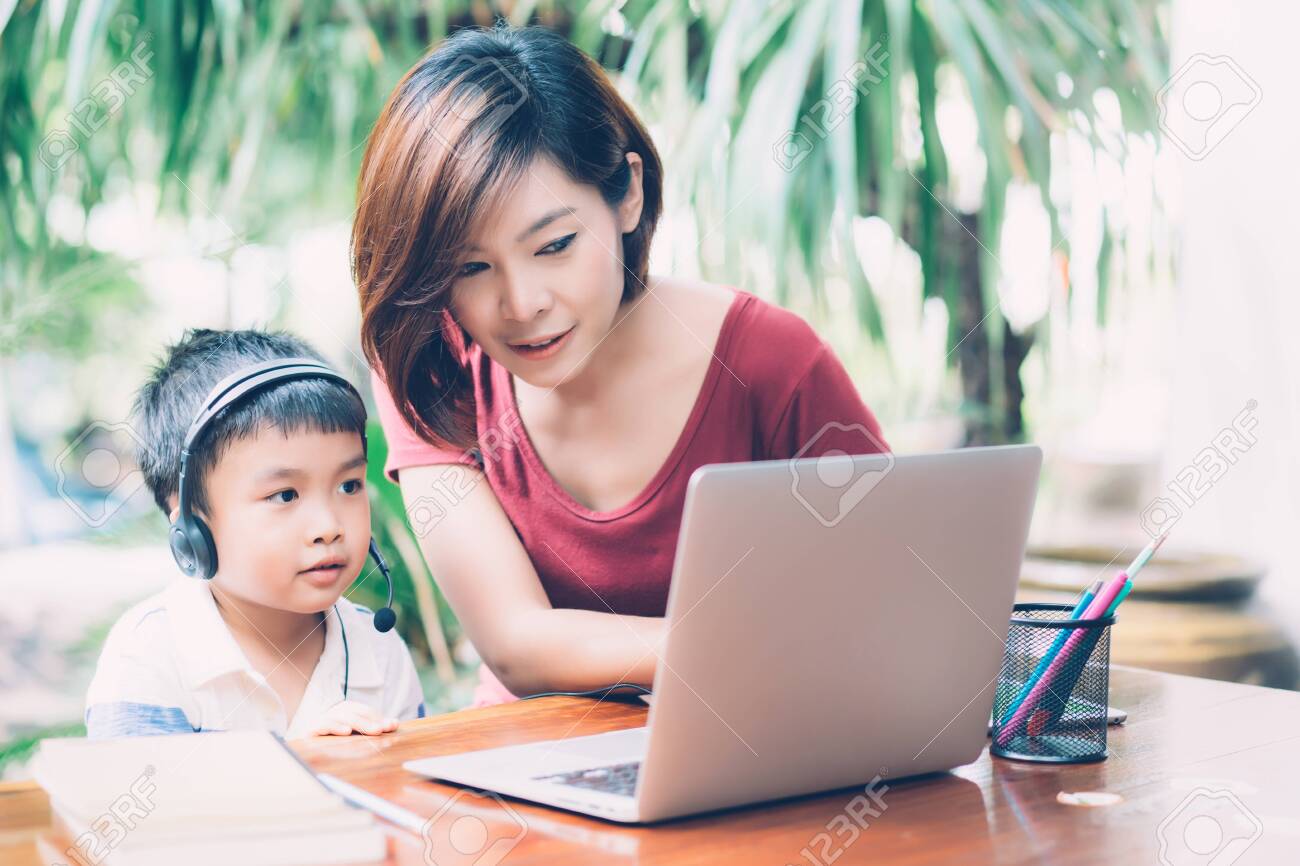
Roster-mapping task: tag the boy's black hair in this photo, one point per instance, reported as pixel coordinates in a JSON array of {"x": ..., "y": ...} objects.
[{"x": 169, "y": 401}]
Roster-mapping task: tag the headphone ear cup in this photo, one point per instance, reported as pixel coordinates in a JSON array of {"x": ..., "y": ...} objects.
[
  {"x": 193, "y": 548},
  {"x": 205, "y": 550},
  {"x": 182, "y": 549}
]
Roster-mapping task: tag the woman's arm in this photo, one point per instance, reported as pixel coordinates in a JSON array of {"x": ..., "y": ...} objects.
[{"x": 486, "y": 575}]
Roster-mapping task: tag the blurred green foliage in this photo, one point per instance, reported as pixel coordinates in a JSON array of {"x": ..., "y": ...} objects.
[{"x": 258, "y": 112}]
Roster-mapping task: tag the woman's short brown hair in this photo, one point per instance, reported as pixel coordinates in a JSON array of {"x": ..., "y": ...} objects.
[{"x": 462, "y": 126}]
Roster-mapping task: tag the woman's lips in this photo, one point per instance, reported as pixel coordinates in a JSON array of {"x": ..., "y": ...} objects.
[{"x": 538, "y": 353}]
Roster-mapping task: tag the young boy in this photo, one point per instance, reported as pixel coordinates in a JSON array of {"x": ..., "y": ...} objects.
[{"x": 266, "y": 643}]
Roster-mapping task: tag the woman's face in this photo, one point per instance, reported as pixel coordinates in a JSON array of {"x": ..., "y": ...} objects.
[{"x": 541, "y": 283}]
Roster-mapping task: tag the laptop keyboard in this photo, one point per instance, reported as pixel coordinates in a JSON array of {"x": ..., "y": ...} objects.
[{"x": 618, "y": 779}]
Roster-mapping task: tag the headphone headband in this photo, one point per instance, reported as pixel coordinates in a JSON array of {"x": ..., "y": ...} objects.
[{"x": 230, "y": 389}]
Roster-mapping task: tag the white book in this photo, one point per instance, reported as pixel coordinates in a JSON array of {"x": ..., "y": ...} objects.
[{"x": 220, "y": 798}]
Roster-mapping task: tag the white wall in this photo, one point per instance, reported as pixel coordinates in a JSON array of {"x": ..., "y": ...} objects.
[{"x": 1238, "y": 315}]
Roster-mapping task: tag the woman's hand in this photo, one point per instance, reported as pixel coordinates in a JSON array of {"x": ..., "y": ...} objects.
[{"x": 348, "y": 717}]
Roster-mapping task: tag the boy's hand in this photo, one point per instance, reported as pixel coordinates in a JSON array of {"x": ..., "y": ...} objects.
[{"x": 347, "y": 717}]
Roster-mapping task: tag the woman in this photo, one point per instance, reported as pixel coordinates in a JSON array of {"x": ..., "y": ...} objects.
[{"x": 507, "y": 201}]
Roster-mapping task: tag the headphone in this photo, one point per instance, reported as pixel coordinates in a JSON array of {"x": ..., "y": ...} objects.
[{"x": 189, "y": 537}]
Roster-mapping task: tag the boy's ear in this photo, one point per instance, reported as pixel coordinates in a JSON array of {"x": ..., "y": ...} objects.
[{"x": 174, "y": 503}]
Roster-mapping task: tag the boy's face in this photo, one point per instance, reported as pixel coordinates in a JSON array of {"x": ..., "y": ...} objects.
[{"x": 290, "y": 518}]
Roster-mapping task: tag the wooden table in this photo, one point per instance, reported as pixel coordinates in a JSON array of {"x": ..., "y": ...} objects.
[{"x": 1187, "y": 742}]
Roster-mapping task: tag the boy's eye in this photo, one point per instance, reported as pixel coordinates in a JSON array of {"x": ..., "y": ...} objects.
[
  {"x": 283, "y": 496},
  {"x": 351, "y": 486},
  {"x": 558, "y": 245}
]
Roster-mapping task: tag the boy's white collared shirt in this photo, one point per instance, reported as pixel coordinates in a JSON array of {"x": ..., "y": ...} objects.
[{"x": 170, "y": 665}]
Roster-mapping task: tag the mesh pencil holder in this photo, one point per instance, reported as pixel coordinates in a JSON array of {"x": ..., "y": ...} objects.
[{"x": 1053, "y": 687}]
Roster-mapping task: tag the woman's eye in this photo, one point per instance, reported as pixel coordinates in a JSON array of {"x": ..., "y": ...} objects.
[
  {"x": 283, "y": 497},
  {"x": 351, "y": 486},
  {"x": 558, "y": 245},
  {"x": 469, "y": 269}
]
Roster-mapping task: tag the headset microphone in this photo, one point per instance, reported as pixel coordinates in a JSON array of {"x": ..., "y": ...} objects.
[{"x": 384, "y": 617}]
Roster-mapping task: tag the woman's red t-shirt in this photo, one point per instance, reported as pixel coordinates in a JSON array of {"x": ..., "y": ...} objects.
[{"x": 773, "y": 390}]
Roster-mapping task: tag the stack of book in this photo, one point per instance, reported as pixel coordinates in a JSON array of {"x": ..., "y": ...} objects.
[{"x": 239, "y": 798}]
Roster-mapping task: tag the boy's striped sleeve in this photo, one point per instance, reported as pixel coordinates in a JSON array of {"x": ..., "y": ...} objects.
[
  {"x": 134, "y": 719},
  {"x": 136, "y": 689}
]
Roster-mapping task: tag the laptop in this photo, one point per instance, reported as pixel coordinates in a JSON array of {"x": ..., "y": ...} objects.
[{"x": 830, "y": 620}]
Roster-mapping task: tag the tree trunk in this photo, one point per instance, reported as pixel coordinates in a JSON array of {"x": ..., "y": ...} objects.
[{"x": 987, "y": 420}]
